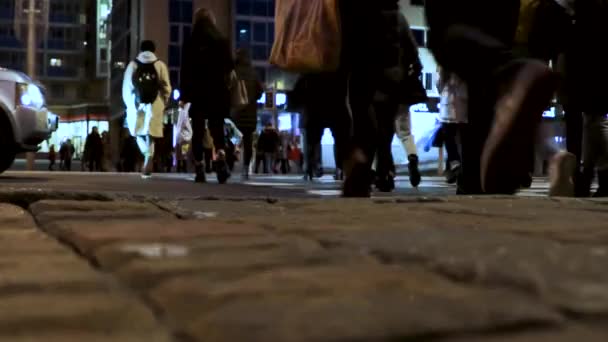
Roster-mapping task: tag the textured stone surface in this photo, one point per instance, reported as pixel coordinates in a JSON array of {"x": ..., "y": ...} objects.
[
  {"x": 454, "y": 269},
  {"x": 572, "y": 277},
  {"x": 356, "y": 304},
  {"x": 48, "y": 293}
]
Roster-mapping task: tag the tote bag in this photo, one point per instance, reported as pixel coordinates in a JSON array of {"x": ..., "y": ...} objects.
[{"x": 308, "y": 36}]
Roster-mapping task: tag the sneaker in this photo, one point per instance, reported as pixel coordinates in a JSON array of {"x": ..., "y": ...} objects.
[
  {"x": 561, "y": 175},
  {"x": 415, "y": 177},
  {"x": 518, "y": 115}
]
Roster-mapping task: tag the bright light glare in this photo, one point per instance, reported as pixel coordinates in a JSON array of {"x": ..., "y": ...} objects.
[
  {"x": 176, "y": 94},
  {"x": 32, "y": 96}
]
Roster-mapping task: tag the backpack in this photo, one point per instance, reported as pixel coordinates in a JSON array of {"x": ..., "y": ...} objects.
[{"x": 146, "y": 82}]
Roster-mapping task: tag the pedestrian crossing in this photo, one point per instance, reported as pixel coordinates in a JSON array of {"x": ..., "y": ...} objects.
[{"x": 328, "y": 187}]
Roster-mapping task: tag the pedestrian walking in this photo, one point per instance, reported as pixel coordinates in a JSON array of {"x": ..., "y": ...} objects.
[
  {"x": 93, "y": 151},
  {"x": 208, "y": 149},
  {"x": 206, "y": 68},
  {"x": 52, "y": 158},
  {"x": 146, "y": 91},
  {"x": 66, "y": 154},
  {"x": 453, "y": 119},
  {"x": 389, "y": 102},
  {"x": 268, "y": 145},
  {"x": 506, "y": 96},
  {"x": 246, "y": 119}
]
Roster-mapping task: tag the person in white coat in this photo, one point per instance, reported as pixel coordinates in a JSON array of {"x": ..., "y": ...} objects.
[{"x": 145, "y": 120}]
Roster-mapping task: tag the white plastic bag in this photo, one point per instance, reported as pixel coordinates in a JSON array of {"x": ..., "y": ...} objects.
[{"x": 183, "y": 125}]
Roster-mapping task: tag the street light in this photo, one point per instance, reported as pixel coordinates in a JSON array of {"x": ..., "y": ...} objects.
[{"x": 37, "y": 15}]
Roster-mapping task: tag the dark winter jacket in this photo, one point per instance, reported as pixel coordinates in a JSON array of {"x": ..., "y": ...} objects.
[
  {"x": 247, "y": 118},
  {"x": 206, "y": 66},
  {"x": 496, "y": 18},
  {"x": 269, "y": 141},
  {"x": 585, "y": 69}
]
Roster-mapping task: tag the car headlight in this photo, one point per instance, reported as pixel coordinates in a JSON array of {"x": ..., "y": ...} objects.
[{"x": 29, "y": 95}]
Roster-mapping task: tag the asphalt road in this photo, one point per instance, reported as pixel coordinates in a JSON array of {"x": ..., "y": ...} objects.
[{"x": 182, "y": 186}]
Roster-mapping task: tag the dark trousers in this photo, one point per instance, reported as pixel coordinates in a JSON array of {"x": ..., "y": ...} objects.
[
  {"x": 95, "y": 165},
  {"x": 574, "y": 133},
  {"x": 67, "y": 165},
  {"x": 208, "y": 159},
  {"x": 477, "y": 58},
  {"x": 216, "y": 127},
  {"x": 247, "y": 145},
  {"x": 451, "y": 137}
]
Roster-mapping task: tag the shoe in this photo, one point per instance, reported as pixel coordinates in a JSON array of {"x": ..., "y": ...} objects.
[
  {"x": 561, "y": 175},
  {"x": 451, "y": 176},
  {"x": 582, "y": 183},
  {"x": 146, "y": 176},
  {"x": 526, "y": 182},
  {"x": 200, "y": 176},
  {"x": 358, "y": 179},
  {"x": 415, "y": 177},
  {"x": 245, "y": 172},
  {"x": 221, "y": 168},
  {"x": 385, "y": 183},
  {"x": 518, "y": 115},
  {"x": 602, "y": 191}
]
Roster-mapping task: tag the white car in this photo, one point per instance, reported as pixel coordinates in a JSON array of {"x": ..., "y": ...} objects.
[{"x": 25, "y": 121}]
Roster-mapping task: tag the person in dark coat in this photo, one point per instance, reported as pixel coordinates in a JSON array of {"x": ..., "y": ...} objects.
[
  {"x": 323, "y": 109},
  {"x": 507, "y": 96},
  {"x": 387, "y": 104},
  {"x": 205, "y": 72},
  {"x": 93, "y": 150},
  {"x": 370, "y": 55},
  {"x": 246, "y": 119}
]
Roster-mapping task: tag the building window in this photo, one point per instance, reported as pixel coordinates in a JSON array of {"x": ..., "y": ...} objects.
[
  {"x": 428, "y": 81},
  {"x": 174, "y": 33},
  {"x": 174, "y": 56},
  {"x": 56, "y": 62},
  {"x": 243, "y": 7},
  {"x": 259, "y": 33},
  {"x": 420, "y": 37}
]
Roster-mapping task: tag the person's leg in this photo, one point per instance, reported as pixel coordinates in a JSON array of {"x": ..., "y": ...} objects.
[
  {"x": 453, "y": 161},
  {"x": 385, "y": 113},
  {"x": 216, "y": 127},
  {"x": 590, "y": 140},
  {"x": 602, "y": 155},
  {"x": 404, "y": 130},
  {"x": 198, "y": 150},
  {"x": 574, "y": 144}
]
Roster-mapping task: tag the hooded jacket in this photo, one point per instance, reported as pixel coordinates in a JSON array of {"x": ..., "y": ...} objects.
[{"x": 146, "y": 119}]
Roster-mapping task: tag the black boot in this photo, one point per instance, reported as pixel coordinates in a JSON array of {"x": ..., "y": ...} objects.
[
  {"x": 221, "y": 168},
  {"x": 602, "y": 191},
  {"x": 415, "y": 177},
  {"x": 200, "y": 174}
]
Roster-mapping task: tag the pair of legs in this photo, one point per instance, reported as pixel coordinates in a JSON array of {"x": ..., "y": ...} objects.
[
  {"x": 216, "y": 127},
  {"x": 247, "y": 148},
  {"x": 595, "y": 151},
  {"x": 506, "y": 100},
  {"x": 146, "y": 147}
]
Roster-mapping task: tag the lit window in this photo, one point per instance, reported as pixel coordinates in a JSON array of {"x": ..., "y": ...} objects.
[{"x": 56, "y": 62}]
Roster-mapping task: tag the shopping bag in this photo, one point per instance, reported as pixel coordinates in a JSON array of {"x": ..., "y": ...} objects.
[
  {"x": 238, "y": 92},
  {"x": 308, "y": 36},
  {"x": 184, "y": 126}
]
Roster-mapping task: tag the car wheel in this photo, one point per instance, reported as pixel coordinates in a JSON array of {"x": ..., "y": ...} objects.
[{"x": 7, "y": 147}]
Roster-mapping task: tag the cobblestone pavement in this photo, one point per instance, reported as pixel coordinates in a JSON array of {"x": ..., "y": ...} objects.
[{"x": 91, "y": 268}]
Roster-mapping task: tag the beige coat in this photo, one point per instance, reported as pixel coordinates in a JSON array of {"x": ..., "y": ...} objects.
[{"x": 147, "y": 119}]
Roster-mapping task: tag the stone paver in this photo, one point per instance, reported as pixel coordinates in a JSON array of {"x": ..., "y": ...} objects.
[
  {"x": 452, "y": 269},
  {"x": 49, "y": 293}
]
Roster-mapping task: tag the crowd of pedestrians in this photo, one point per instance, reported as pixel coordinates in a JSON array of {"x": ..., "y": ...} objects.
[{"x": 495, "y": 82}]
